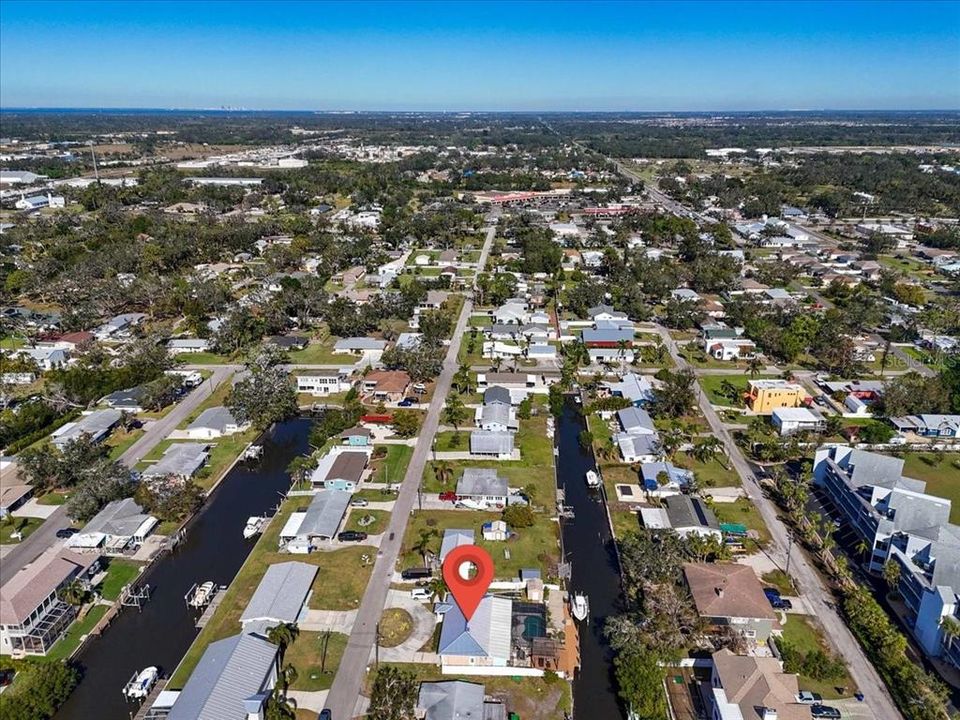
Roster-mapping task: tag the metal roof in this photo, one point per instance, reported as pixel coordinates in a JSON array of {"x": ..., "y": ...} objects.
[
  {"x": 491, "y": 442},
  {"x": 180, "y": 459},
  {"x": 451, "y": 700},
  {"x": 454, "y": 538},
  {"x": 324, "y": 514},
  {"x": 486, "y": 635},
  {"x": 281, "y": 593},
  {"x": 120, "y": 517},
  {"x": 97, "y": 424},
  {"x": 636, "y": 421},
  {"x": 230, "y": 672}
]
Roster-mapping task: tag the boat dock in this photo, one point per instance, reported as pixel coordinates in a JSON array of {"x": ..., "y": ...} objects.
[
  {"x": 211, "y": 607},
  {"x": 144, "y": 712}
]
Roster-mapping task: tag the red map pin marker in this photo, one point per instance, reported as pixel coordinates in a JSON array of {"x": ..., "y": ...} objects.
[{"x": 468, "y": 591}]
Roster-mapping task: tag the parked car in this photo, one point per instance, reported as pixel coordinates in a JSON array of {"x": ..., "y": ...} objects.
[
  {"x": 416, "y": 573},
  {"x": 825, "y": 711},
  {"x": 325, "y": 715},
  {"x": 351, "y": 536},
  {"x": 66, "y": 533},
  {"x": 809, "y": 698},
  {"x": 406, "y": 402},
  {"x": 420, "y": 593},
  {"x": 359, "y": 502},
  {"x": 776, "y": 601},
  {"x": 448, "y": 496}
]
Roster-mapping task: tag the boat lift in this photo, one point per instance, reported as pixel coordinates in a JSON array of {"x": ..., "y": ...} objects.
[
  {"x": 253, "y": 452},
  {"x": 136, "y": 598}
]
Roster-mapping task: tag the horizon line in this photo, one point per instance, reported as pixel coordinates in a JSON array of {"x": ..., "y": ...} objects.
[{"x": 349, "y": 111}]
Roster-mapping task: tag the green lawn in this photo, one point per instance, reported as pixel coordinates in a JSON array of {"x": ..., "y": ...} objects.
[
  {"x": 381, "y": 518},
  {"x": 743, "y": 512},
  {"x": 393, "y": 467},
  {"x": 121, "y": 440},
  {"x": 71, "y": 639},
  {"x": 54, "y": 497},
  {"x": 709, "y": 474},
  {"x": 802, "y": 634},
  {"x": 321, "y": 353},
  {"x": 371, "y": 495},
  {"x": 305, "y": 654},
  {"x": 942, "y": 475},
  {"x": 25, "y": 525},
  {"x": 780, "y": 580},
  {"x": 451, "y": 440},
  {"x": 533, "y": 547},
  {"x": 207, "y": 358},
  {"x": 119, "y": 574}
]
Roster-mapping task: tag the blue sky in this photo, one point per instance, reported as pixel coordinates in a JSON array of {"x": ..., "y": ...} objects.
[{"x": 475, "y": 56}]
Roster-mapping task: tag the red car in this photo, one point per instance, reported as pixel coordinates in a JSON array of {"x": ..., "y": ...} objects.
[{"x": 448, "y": 496}]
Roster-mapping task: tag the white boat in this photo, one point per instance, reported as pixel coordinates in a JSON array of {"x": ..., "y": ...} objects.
[
  {"x": 140, "y": 685},
  {"x": 203, "y": 594},
  {"x": 253, "y": 527},
  {"x": 580, "y": 606},
  {"x": 593, "y": 480}
]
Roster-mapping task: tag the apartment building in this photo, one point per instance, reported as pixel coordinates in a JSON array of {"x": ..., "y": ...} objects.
[{"x": 899, "y": 522}]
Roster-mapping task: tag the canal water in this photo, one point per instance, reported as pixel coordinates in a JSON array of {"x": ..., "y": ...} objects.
[
  {"x": 213, "y": 549},
  {"x": 589, "y": 547}
]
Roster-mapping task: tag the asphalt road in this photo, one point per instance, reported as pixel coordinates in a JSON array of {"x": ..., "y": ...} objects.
[
  {"x": 46, "y": 535},
  {"x": 804, "y": 576},
  {"x": 345, "y": 692}
]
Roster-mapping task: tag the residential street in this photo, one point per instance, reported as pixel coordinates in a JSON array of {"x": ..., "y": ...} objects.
[
  {"x": 46, "y": 535},
  {"x": 344, "y": 694},
  {"x": 804, "y": 576}
]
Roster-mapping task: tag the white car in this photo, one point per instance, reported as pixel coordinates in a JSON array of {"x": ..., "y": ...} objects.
[
  {"x": 359, "y": 502},
  {"x": 421, "y": 594},
  {"x": 808, "y": 698}
]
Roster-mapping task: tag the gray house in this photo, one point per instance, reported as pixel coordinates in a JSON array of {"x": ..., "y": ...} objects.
[
  {"x": 232, "y": 681},
  {"x": 280, "y": 596},
  {"x": 492, "y": 443},
  {"x": 482, "y": 486},
  {"x": 457, "y": 700}
]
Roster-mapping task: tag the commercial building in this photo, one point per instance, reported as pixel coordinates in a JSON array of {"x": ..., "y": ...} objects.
[{"x": 764, "y": 396}]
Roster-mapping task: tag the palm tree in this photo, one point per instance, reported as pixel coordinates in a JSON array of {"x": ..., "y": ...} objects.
[
  {"x": 861, "y": 549},
  {"x": 443, "y": 472},
  {"x": 622, "y": 346},
  {"x": 754, "y": 366},
  {"x": 950, "y": 627},
  {"x": 707, "y": 448},
  {"x": 660, "y": 352},
  {"x": 730, "y": 391},
  {"x": 423, "y": 543},
  {"x": 74, "y": 594},
  {"x": 437, "y": 587},
  {"x": 282, "y": 636},
  {"x": 891, "y": 574}
]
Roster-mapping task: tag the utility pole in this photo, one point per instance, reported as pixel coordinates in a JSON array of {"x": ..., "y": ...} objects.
[
  {"x": 789, "y": 548},
  {"x": 377, "y": 647}
]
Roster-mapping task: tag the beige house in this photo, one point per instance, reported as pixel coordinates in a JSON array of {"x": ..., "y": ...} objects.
[{"x": 753, "y": 687}]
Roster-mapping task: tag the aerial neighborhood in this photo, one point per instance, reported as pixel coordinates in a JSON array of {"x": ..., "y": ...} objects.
[{"x": 698, "y": 403}]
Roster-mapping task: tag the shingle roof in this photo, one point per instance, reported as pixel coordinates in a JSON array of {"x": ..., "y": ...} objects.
[
  {"x": 754, "y": 682},
  {"x": 481, "y": 481},
  {"x": 281, "y": 593},
  {"x": 687, "y": 512},
  {"x": 496, "y": 393},
  {"x": 229, "y": 672},
  {"x": 215, "y": 418},
  {"x": 727, "y": 590},
  {"x": 24, "y": 590}
]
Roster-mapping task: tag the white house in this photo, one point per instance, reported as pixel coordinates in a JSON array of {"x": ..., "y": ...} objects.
[
  {"x": 213, "y": 423},
  {"x": 323, "y": 382},
  {"x": 789, "y": 420}
]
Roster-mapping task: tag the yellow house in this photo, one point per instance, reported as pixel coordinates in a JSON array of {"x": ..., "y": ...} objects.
[{"x": 765, "y": 396}]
